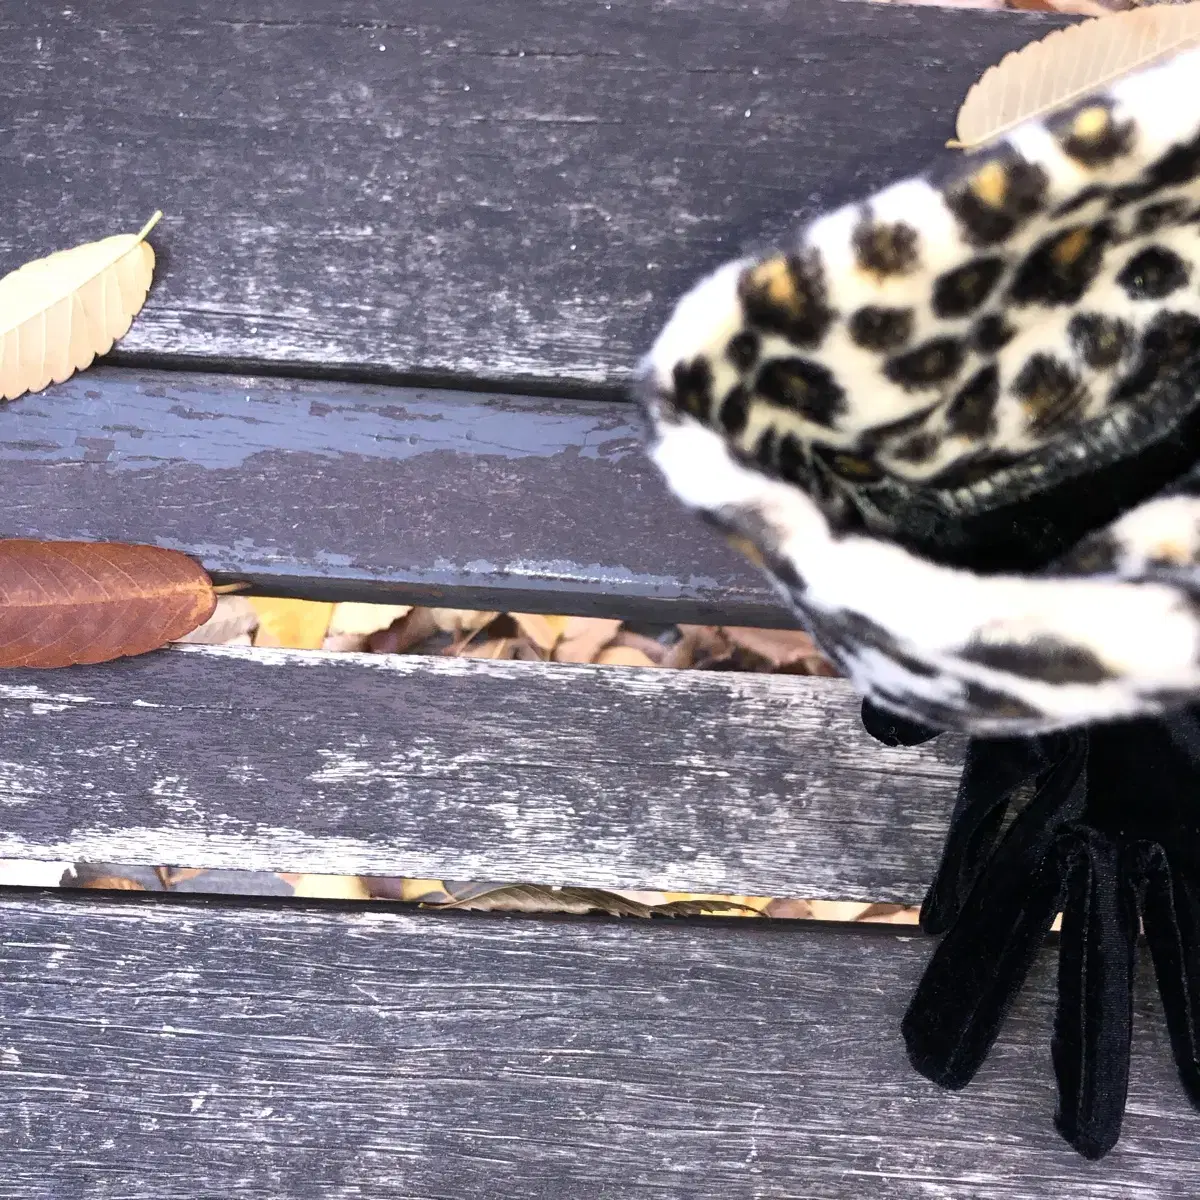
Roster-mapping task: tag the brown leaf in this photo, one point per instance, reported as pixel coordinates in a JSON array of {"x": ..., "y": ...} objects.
[
  {"x": 87, "y": 602},
  {"x": 584, "y": 637}
]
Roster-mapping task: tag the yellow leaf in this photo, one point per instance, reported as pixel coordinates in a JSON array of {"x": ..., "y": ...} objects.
[
  {"x": 296, "y": 624},
  {"x": 1069, "y": 64},
  {"x": 58, "y": 313}
]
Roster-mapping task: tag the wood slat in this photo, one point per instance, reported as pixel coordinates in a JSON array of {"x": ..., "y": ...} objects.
[
  {"x": 188, "y": 1049},
  {"x": 461, "y": 769},
  {"x": 351, "y": 491},
  {"x": 514, "y": 191}
]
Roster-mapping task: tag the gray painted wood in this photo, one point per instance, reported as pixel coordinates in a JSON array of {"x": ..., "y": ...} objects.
[
  {"x": 462, "y": 769},
  {"x": 514, "y": 191},
  {"x": 354, "y": 491},
  {"x": 186, "y": 1049}
]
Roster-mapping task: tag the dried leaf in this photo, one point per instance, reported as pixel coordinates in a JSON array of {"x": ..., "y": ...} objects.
[
  {"x": 707, "y": 906},
  {"x": 400, "y": 636},
  {"x": 699, "y": 646},
  {"x": 112, "y": 876},
  {"x": 411, "y": 891},
  {"x": 364, "y": 619},
  {"x": 1071, "y": 63},
  {"x": 58, "y": 313},
  {"x": 1084, "y": 8},
  {"x": 87, "y": 602},
  {"x": 330, "y": 887},
  {"x": 787, "y": 909},
  {"x": 656, "y": 652},
  {"x": 174, "y": 876},
  {"x": 782, "y": 649},
  {"x": 461, "y": 620},
  {"x": 343, "y": 642},
  {"x": 584, "y": 637},
  {"x": 625, "y": 656},
  {"x": 776, "y": 645},
  {"x": 232, "y": 623},
  {"x": 751, "y": 905},
  {"x": 524, "y": 650},
  {"x": 528, "y": 898},
  {"x": 542, "y": 631},
  {"x": 296, "y": 624},
  {"x": 837, "y": 910},
  {"x": 497, "y": 648},
  {"x": 891, "y": 914},
  {"x": 225, "y": 882},
  {"x": 536, "y": 898}
]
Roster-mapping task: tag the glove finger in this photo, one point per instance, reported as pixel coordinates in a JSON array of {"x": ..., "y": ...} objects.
[
  {"x": 973, "y": 975},
  {"x": 1092, "y": 1025},
  {"x": 1171, "y": 913},
  {"x": 996, "y": 773},
  {"x": 892, "y": 729},
  {"x": 1000, "y": 925}
]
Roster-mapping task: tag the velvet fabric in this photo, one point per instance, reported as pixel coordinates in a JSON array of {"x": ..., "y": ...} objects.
[{"x": 1102, "y": 823}]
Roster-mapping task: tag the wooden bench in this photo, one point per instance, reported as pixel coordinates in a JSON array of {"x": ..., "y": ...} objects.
[{"x": 410, "y": 256}]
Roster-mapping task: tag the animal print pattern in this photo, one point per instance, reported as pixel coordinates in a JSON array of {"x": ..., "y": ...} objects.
[{"x": 966, "y": 338}]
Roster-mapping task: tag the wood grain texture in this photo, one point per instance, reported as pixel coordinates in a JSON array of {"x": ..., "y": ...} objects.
[
  {"x": 187, "y": 1049},
  {"x": 514, "y": 191},
  {"x": 350, "y": 491},
  {"x": 462, "y": 769}
]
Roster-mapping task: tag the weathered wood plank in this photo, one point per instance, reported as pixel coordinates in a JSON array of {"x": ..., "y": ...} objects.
[
  {"x": 451, "y": 768},
  {"x": 160, "y": 1049},
  {"x": 513, "y": 191},
  {"x": 341, "y": 491}
]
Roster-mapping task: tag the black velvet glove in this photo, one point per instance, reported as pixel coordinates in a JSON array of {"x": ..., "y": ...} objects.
[{"x": 1102, "y": 823}]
